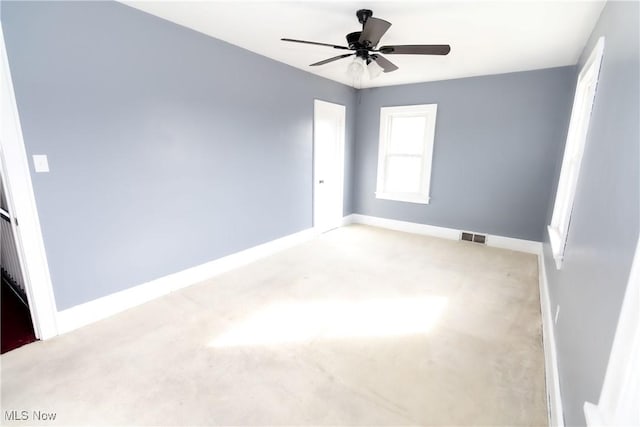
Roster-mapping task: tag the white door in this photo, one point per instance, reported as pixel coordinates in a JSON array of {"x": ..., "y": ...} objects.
[{"x": 328, "y": 155}]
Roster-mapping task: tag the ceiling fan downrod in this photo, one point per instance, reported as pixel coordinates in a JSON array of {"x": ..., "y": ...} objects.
[{"x": 363, "y": 15}]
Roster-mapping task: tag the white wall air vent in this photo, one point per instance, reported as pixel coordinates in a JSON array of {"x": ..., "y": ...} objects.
[{"x": 471, "y": 237}]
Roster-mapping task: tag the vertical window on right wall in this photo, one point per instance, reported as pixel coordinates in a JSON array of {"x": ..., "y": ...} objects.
[{"x": 574, "y": 149}]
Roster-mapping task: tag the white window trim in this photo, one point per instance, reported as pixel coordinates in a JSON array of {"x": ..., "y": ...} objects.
[
  {"x": 386, "y": 114},
  {"x": 574, "y": 149}
]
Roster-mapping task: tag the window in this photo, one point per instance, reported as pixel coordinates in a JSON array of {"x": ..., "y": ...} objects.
[
  {"x": 405, "y": 151},
  {"x": 574, "y": 148}
]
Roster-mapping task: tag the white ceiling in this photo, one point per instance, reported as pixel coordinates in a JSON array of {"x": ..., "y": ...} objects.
[{"x": 486, "y": 37}]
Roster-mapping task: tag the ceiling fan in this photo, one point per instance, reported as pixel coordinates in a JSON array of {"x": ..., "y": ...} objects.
[{"x": 364, "y": 44}]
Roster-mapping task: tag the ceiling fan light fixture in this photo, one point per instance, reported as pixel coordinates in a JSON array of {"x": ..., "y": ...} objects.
[
  {"x": 356, "y": 68},
  {"x": 374, "y": 69}
]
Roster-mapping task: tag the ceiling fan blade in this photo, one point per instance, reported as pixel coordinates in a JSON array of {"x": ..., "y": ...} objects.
[
  {"x": 387, "y": 66},
  {"x": 373, "y": 31},
  {"x": 416, "y": 49},
  {"x": 335, "y": 58},
  {"x": 315, "y": 43}
]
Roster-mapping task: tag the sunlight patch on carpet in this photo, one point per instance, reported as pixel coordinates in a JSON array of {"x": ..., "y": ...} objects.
[{"x": 330, "y": 319}]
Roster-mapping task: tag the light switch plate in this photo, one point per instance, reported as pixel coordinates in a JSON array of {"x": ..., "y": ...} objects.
[{"x": 40, "y": 163}]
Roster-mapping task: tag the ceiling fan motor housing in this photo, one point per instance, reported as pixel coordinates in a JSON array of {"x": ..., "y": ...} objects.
[{"x": 353, "y": 41}]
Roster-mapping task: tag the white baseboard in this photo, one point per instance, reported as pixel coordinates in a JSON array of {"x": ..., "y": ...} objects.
[
  {"x": 554, "y": 400},
  {"x": 519, "y": 245},
  {"x": 347, "y": 219},
  {"x": 594, "y": 416},
  {"x": 405, "y": 226},
  {"x": 98, "y": 309}
]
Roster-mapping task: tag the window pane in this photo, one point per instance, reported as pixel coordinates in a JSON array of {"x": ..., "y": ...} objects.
[
  {"x": 403, "y": 174},
  {"x": 407, "y": 135},
  {"x": 574, "y": 149}
]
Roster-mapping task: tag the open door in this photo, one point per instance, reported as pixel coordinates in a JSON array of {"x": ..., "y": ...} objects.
[
  {"x": 328, "y": 155},
  {"x": 17, "y": 325}
]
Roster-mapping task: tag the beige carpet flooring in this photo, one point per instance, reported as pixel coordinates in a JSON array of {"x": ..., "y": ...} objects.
[{"x": 361, "y": 326}]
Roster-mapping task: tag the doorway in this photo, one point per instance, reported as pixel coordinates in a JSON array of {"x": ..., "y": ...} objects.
[
  {"x": 328, "y": 165},
  {"x": 17, "y": 325}
]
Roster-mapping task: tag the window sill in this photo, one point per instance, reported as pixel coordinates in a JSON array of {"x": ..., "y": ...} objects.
[
  {"x": 557, "y": 246},
  {"x": 409, "y": 198}
]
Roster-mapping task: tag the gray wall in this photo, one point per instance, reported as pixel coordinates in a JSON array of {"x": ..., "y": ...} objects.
[
  {"x": 494, "y": 156},
  {"x": 604, "y": 225},
  {"x": 167, "y": 148}
]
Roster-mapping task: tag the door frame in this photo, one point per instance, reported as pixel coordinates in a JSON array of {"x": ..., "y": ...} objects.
[
  {"x": 341, "y": 162},
  {"x": 22, "y": 203},
  {"x": 620, "y": 392}
]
